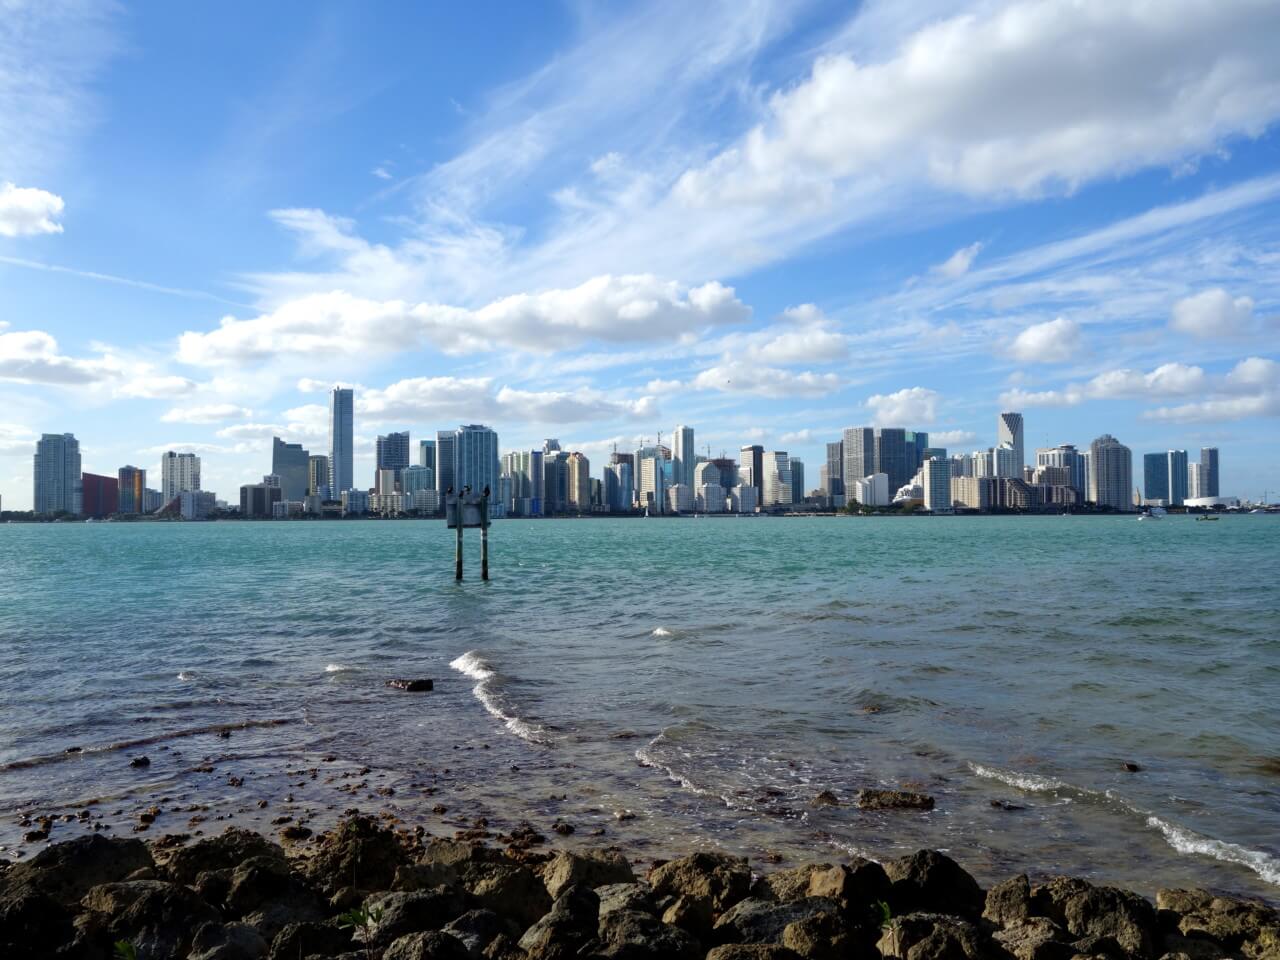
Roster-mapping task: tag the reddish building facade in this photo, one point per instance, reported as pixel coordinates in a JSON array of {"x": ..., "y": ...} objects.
[{"x": 101, "y": 495}]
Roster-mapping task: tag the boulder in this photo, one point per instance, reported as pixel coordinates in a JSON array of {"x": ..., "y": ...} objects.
[
  {"x": 784, "y": 885},
  {"x": 820, "y": 936},
  {"x": 509, "y": 890},
  {"x": 929, "y": 881},
  {"x": 1035, "y": 938},
  {"x": 624, "y": 896},
  {"x": 66, "y": 871},
  {"x": 230, "y": 941},
  {"x": 567, "y": 928},
  {"x": 1193, "y": 947},
  {"x": 720, "y": 879},
  {"x": 359, "y": 853},
  {"x": 593, "y": 869},
  {"x": 225, "y": 852},
  {"x": 930, "y": 936},
  {"x": 1229, "y": 920},
  {"x": 893, "y": 800},
  {"x": 1085, "y": 910},
  {"x": 631, "y": 935},
  {"x": 692, "y": 915},
  {"x": 32, "y": 924},
  {"x": 856, "y": 886},
  {"x": 751, "y": 951},
  {"x": 310, "y": 939},
  {"x": 431, "y": 945},
  {"x": 763, "y": 921},
  {"x": 416, "y": 912},
  {"x": 476, "y": 929},
  {"x": 1009, "y": 902},
  {"x": 110, "y": 899},
  {"x": 162, "y": 921}
]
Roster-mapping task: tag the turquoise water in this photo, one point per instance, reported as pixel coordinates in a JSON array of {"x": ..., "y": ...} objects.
[{"x": 702, "y": 678}]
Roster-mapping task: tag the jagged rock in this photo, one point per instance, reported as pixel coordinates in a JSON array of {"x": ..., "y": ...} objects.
[
  {"x": 692, "y": 915},
  {"x": 821, "y": 936},
  {"x": 66, "y": 871},
  {"x": 1009, "y": 902},
  {"x": 503, "y": 947},
  {"x": 110, "y": 899},
  {"x": 825, "y": 798},
  {"x": 893, "y": 800},
  {"x": 1086, "y": 910},
  {"x": 720, "y": 879},
  {"x": 752, "y": 951},
  {"x": 1193, "y": 947},
  {"x": 1229, "y": 920},
  {"x": 212, "y": 885},
  {"x": 567, "y": 927},
  {"x": 225, "y": 852},
  {"x": 1035, "y": 938},
  {"x": 431, "y": 945},
  {"x": 785, "y": 885},
  {"x": 414, "y": 685},
  {"x": 162, "y": 921},
  {"x": 476, "y": 929},
  {"x": 593, "y": 869},
  {"x": 231, "y": 941},
  {"x": 762, "y": 921},
  {"x": 405, "y": 913},
  {"x": 310, "y": 939},
  {"x": 32, "y": 924},
  {"x": 509, "y": 890},
  {"x": 360, "y": 853},
  {"x": 1096, "y": 945},
  {"x": 930, "y": 936},
  {"x": 631, "y": 935},
  {"x": 624, "y": 896},
  {"x": 928, "y": 880},
  {"x": 855, "y": 885}
]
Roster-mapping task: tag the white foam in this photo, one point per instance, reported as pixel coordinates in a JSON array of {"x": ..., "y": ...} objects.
[
  {"x": 660, "y": 632},
  {"x": 336, "y": 668},
  {"x": 1033, "y": 783},
  {"x": 186, "y": 676},
  {"x": 1188, "y": 841},
  {"x": 472, "y": 665}
]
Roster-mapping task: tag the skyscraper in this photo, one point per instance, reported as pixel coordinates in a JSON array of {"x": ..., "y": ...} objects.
[
  {"x": 937, "y": 485},
  {"x": 1066, "y": 455},
  {"x": 1155, "y": 477},
  {"x": 859, "y": 447},
  {"x": 777, "y": 479},
  {"x": 318, "y": 477},
  {"x": 291, "y": 463},
  {"x": 427, "y": 454},
  {"x": 446, "y": 462},
  {"x": 393, "y": 453},
  {"x": 1009, "y": 430},
  {"x": 101, "y": 495},
  {"x": 1177, "y": 460},
  {"x": 579, "y": 476},
  {"x": 179, "y": 473},
  {"x": 892, "y": 458},
  {"x": 132, "y": 487},
  {"x": 797, "y": 480},
  {"x": 477, "y": 458},
  {"x": 682, "y": 456},
  {"x": 57, "y": 483},
  {"x": 751, "y": 469},
  {"x": 835, "y": 469},
  {"x": 1111, "y": 473},
  {"x": 341, "y": 440},
  {"x": 1209, "y": 460}
]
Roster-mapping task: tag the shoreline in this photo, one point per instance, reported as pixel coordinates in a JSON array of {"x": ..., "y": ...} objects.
[{"x": 516, "y": 894}]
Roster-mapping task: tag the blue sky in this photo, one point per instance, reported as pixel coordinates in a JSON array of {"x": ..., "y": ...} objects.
[{"x": 768, "y": 221}]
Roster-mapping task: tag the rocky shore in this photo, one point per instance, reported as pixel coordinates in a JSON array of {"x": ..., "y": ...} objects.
[{"x": 367, "y": 889}]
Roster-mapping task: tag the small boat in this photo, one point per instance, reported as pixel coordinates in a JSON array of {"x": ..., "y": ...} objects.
[
  {"x": 1150, "y": 516},
  {"x": 1206, "y": 517},
  {"x": 1257, "y": 510}
]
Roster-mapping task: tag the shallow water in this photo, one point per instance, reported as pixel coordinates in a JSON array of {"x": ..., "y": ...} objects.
[{"x": 709, "y": 677}]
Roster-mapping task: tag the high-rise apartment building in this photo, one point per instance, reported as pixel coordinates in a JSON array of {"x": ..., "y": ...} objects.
[
  {"x": 1066, "y": 455},
  {"x": 1209, "y": 460},
  {"x": 392, "y": 454},
  {"x": 258, "y": 500},
  {"x": 917, "y": 442},
  {"x": 342, "y": 470},
  {"x": 578, "y": 469},
  {"x": 132, "y": 490},
  {"x": 101, "y": 495},
  {"x": 56, "y": 476},
  {"x": 477, "y": 458},
  {"x": 1111, "y": 473},
  {"x": 892, "y": 458},
  {"x": 446, "y": 462},
  {"x": 683, "y": 458},
  {"x": 1177, "y": 465},
  {"x": 751, "y": 468},
  {"x": 427, "y": 454},
  {"x": 797, "y": 480},
  {"x": 1009, "y": 430},
  {"x": 1195, "y": 481},
  {"x": 318, "y": 473},
  {"x": 835, "y": 469},
  {"x": 179, "y": 473},
  {"x": 777, "y": 479},
  {"x": 937, "y": 485},
  {"x": 291, "y": 462},
  {"x": 859, "y": 448},
  {"x": 1005, "y": 462}
]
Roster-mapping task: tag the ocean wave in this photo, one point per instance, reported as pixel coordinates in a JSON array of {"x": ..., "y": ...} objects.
[
  {"x": 1188, "y": 841},
  {"x": 1031, "y": 782},
  {"x": 186, "y": 676},
  {"x": 336, "y": 668},
  {"x": 661, "y": 632},
  {"x": 488, "y": 690}
]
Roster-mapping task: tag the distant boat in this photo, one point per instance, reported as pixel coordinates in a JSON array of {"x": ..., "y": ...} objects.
[
  {"x": 1150, "y": 516},
  {"x": 1257, "y": 510},
  {"x": 1205, "y": 517}
]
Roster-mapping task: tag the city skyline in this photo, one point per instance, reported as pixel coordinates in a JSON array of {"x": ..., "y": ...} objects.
[{"x": 622, "y": 225}]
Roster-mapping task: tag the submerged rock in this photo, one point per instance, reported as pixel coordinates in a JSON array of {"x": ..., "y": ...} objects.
[
  {"x": 893, "y": 800},
  {"x": 420, "y": 685}
]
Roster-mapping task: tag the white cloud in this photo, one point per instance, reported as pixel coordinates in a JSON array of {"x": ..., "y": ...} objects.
[
  {"x": 912, "y": 406},
  {"x": 949, "y": 438},
  {"x": 743, "y": 376},
  {"x": 1254, "y": 372},
  {"x": 1265, "y": 404},
  {"x": 608, "y": 309},
  {"x": 1213, "y": 314},
  {"x": 1003, "y": 101},
  {"x": 26, "y": 211},
  {"x": 381, "y": 173},
  {"x": 207, "y": 413},
  {"x": 1169, "y": 379},
  {"x": 16, "y": 440},
  {"x": 32, "y": 356},
  {"x": 475, "y": 399},
  {"x": 807, "y": 336},
  {"x": 1017, "y": 399},
  {"x": 155, "y": 387},
  {"x": 1054, "y": 341},
  {"x": 797, "y": 436},
  {"x": 957, "y": 265}
]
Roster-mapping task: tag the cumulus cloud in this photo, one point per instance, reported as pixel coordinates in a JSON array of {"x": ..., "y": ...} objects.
[
  {"x": 25, "y": 211},
  {"x": 470, "y": 399},
  {"x": 744, "y": 376},
  {"x": 958, "y": 264},
  {"x": 806, "y": 336},
  {"x": 1004, "y": 101},
  {"x": 155, "y": 387},
  {"x": 948, "y": 438},
  {"x": 15, "y": 439},
  {"x": 1054, "y": 341},
  {"x": 607, "y": 309},
  {"x": 1213, "y": 314},
  {"x": 912, "y": 405},
  {"x": 207, "y": 413},
  {"x": 32, "y": 356}
]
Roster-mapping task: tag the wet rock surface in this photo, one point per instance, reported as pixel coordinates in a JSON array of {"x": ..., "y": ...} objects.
[{"x": 370, "y": 892}]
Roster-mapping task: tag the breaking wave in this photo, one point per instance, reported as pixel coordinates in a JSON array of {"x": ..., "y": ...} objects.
[{"x": 490, "y": 691}]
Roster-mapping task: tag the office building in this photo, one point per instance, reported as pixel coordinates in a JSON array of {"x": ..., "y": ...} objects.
[
  {"x": 751, "y": 468},
  {"x": 258, "y": 500},
  {"x": 425, "y": 501},
  {"x": 578, "y": 472},
  {"x": 152, "y": 501},
  {"x": 892, "y": 458},
  {"x": 858, "y": 446},
  {"x": 1066, "y": 455},
  {"x": 936, "y": 481},
  {"x": 972, "y": 493},
  {"x": 682, "y": 455},
  {"x": 101, "y": 495},
  {"x": 132, "y": 489},
  {"x": 342, "y": 471},
  {"x": 1155, "y": 479},
  {"x": 651, "y": 482},
  {"x": 195, "y": 504},
  {"x": 1195, "y": 483},
  {"x": 742, "y": 499},
  {"x": 679, "y": 498},
  {"x": 413, "y": 479},
  {"x": 291, "y": 463},
  {"x": 446, "y": 462},
  {"x": 355, "y": 503},
  {"x": 1111, "y": 473},
  {"x": 710, "y": 498},
  {"x": 1009, "y": 431},
  {"x": 871, "y": 490},
  {"x": 392, "y": 453},
  {"x": 318, "y": 476},
  {"x": 56, "y": 475},
  {"x": 1177, "y": 460},
  {"x": 797, "y": 480},
  {"x": 476, "y": 458},
  {"x": 179, "y": 473},
  {"x": 384, "y": 483},
  {"x": 777, "y": 480},
  {"x": 427, "y": 454},
  {"x": 917, "y": 442},
  {"x": 1005, "y": 462},
  {"x": 1209, "y": 461}
]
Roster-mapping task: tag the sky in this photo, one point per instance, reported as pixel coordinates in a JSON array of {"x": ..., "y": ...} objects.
[{"x": 768, "y": 221}]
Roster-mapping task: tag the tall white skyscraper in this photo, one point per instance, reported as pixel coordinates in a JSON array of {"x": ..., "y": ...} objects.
[
  {"x": 1111, "y": 473},
  {"x": 937, "y": 485},
  {"x": 858, "y": 447},
  {"x": 682, "y": 456},
  {"x": 1009, "y": 430},
  {"x": 777, "y": 479},
  {"x": 179, "y": 473},
  {"x": 477, "y": 459},
  {"x": 341, "y": 440},
  {"x": 56, "y": 475}
]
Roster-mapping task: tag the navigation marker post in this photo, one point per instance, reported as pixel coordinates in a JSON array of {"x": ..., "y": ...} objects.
[{"x": 468, "y": 509}]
